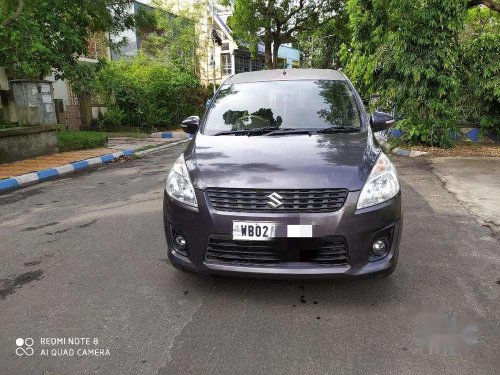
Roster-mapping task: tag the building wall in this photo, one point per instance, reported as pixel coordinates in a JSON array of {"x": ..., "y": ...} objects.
[
  {"x": 61, "y": 90},
  {"x": 25, "y": 143},
  {"x": 223, "y": 69},
  {"x": 129, "y": 49},
  {"x": 66, "y": 103},
  {"x": 291, "y": 55},
  {"x": 133, "y": 40}
]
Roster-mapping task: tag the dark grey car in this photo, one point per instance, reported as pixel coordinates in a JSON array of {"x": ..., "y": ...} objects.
[{"x": 284, "y": 178}]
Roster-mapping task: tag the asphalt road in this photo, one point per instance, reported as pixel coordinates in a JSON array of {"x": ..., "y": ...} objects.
[
  {"x": 475, "y": 181},
  {"x": 85, "y": 257}
]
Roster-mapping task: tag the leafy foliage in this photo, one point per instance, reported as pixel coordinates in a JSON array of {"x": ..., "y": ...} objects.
[
  {"x": 276, "y": 22},
  {"x": 364, "y": 57},
  {"x": 423, "y": 74},
  {"x": 37, "y": 36},
  {"x": 82, "y": 78},
  {"x": 480, "y": 69},
  {"x": 406, "y": 51},
  {"x": 171, "y": 34},
  {"x": 77, "y": 140},
  {"x": 321, "y": 47},
  {"x": 434, "y": 59},
  {"x": 145, "y": 91}
]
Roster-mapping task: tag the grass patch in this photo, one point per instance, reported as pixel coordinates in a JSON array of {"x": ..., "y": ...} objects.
[
  {"x": 80, "y": 140},
  {"x": 4, "y": 125}
]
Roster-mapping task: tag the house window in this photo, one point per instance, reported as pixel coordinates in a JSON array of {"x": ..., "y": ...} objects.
[
  {"x": 226, "y": 66},
  {"x": 225, "y": 46}
]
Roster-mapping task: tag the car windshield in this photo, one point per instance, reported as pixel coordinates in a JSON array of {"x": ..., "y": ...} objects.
[{"x": 301, "y": 104}]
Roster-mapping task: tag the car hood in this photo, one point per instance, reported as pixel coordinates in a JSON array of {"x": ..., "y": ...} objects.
[{"x": 341, "y": 160}]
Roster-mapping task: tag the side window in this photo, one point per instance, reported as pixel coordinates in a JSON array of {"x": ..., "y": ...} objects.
[{"x": 226, "y": 66}]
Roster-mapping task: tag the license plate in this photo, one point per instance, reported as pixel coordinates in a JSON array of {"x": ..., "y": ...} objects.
[{"x": 252, "y": 231}]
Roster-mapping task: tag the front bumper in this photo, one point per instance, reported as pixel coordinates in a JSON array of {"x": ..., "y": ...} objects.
[{"x": 357, "y": 227}]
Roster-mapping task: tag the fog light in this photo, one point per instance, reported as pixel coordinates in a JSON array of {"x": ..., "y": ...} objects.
[
  {"x": 379, "y": 247},
  {"x": 180, "y": 242}
]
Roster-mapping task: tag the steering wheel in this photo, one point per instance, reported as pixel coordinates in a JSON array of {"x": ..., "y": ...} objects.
[{"x": 250, "y": 122}]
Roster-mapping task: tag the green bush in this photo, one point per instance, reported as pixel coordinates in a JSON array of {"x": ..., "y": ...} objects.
[
  {"x": 112, "y": 118},
  {"x": 437, "y": 60},
  {"x": 480, "y": 70},
  {"x": 8, "y": 125},
  {"x": 432, "y": 133},
  {"x": 80, "y": 140},
  {"x": 148, "y": 92}
]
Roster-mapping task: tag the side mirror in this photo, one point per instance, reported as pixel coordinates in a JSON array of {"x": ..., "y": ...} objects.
[
  {"x": 381, "y": 121},
  {"x": 190, "y": 124}
]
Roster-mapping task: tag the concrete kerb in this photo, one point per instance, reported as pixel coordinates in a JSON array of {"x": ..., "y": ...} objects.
[
  {"x": 170, "y": 135},
  {"x": 16, "y": 182},
  {"x": 389, "y": 149},
  {"x": 159, "y": 148}
]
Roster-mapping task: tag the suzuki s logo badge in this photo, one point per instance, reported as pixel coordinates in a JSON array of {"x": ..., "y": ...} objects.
[{"x": 274, "y": 200}]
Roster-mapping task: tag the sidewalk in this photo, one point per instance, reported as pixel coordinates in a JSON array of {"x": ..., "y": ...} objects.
[
  {"x": 48, "y": 161},
  {"x": 124, "y": 143},
  {"x": 56, "y": 160}
]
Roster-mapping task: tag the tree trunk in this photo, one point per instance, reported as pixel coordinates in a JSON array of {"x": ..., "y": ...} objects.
[
  {"x": 276, "y": 46},
  {"x": 15, "y": 15},
  {"x": 492, "y": 4},
  {"x": 268, "y": 54}
]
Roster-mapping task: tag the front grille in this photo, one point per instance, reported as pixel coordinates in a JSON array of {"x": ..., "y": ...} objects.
[
  {"x": 328, "y": 251},
  {"x": 252, "y": 200}
]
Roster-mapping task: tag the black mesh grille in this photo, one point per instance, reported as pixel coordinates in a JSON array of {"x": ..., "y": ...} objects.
[
  {"x": 328, "y": 251},
  {"x": 250, "y": 200}
]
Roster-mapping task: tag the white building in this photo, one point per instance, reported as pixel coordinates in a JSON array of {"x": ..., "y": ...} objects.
[{"x": 227, "y": 59}]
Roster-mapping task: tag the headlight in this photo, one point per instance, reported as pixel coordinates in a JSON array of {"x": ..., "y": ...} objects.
[
  {"x": 178, "y": 185},
  {"x": 382, "y": 184}
]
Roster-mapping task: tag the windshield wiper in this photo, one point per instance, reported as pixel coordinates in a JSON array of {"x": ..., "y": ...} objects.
[
  {"x": 249, "y": 131},
  {"x": 282, "y": 131},
  {"x": 339, "y": 129}
]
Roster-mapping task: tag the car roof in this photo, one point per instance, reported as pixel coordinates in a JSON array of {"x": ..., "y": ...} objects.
[{"x": 286, "y": 75}]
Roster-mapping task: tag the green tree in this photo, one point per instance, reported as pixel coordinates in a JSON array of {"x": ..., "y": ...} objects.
[
  {"x": 145, "y": 90},
  {"x": 437, "y": 59},
  {"x": 365, "y": 56},
  {"x": 423, "y": 75},
  {"x": 321, "y": 47},
  {"x": 274, "y": 22},
  {"x": 406, "y": 50},
  {"x": 41, "y": 36},
  {"x": 479, "y": 47},
  {"x": 174, "y": 35}
]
